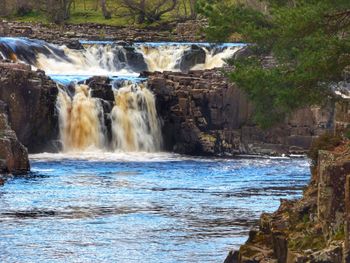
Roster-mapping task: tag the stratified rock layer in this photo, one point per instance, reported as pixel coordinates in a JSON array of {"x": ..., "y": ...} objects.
[
  {"x": 31, "y": 99},
  {"x": 204, "y": 113},
  {"x": 313, "y": 229},
  {"x": 13, "y": 155}
]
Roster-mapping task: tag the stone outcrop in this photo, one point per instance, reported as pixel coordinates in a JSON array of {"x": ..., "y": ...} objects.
[
  {"x": 70, "y": 35},
  {"x": 313, "y": 229},
  {"x": 203, "y": 113},
  {"x": 31, "y": 99},
  {"x": 195, "y": 55},
  {"x": 13, "y": 155}
]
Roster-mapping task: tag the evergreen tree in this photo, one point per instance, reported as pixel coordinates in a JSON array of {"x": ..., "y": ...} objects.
[{"x": 309, "y": 39}]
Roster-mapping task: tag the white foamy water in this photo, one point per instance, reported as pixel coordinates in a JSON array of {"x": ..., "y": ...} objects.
[
  {"x": 216, "y": 60},
  {"x": 93, "y": 61},
  {"x": 113, "y": 59},
  {"x": 98, "y": 155},
  {"x": 135, "y": 124},
  {"x": 134, "y": 120}
]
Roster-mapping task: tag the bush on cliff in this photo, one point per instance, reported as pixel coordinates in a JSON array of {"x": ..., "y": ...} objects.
[{"x": 309, "y": 41}]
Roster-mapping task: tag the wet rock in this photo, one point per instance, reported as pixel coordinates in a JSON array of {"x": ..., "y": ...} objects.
[
  {"x": 194, "y": 56},
  {"x": 31, "y": 99},
  {"x": 243, "y": 53},
  {"x": 135, "y": 60},
  {"x": 75, "y": 44},
  {"x": 13, "y": 155},
  {"x": 100, "y": 87}
]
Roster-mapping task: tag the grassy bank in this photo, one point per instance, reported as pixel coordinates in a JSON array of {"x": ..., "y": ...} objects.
[{"x": 86, "y": 11}]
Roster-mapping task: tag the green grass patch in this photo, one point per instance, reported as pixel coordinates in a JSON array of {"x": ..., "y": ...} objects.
[{"x": 87, "y": 11}]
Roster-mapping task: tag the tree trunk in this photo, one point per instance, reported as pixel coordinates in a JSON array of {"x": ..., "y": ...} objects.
[
  {"x": 105, "y": 12},
  {"x": 193, "y": 9},
  {"x": 142, "y": 11}
]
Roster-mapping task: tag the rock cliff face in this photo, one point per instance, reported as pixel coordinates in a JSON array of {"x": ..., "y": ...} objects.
[
  {"x": 31, "y": 99},
  {"x": 314, "y": 229},
  {"x": 203, "y": 113},
  {"x": 13, "y": 155}
]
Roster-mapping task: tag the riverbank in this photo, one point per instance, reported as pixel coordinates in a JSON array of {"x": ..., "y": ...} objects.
[
  {"x": 70, "y": 35},
  {"x": 312, "y": 229}
]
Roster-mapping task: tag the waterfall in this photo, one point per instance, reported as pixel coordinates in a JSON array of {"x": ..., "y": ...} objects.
[
  {"x": 116, "y": 59},
  {"x": 80, "y": 125},
  {"x": 132, "y": 123},
  {"x": 215, "y": 58},
  {"x": 135, "y": 124},
  {"x": 93, "y": 61},
  {"x": 162, "y": 58}
]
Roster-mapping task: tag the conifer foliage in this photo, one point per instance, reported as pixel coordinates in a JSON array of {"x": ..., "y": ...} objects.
[{"x": 308, "y": 39}]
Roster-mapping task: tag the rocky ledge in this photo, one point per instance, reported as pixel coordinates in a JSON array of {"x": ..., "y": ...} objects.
[
  {"x": 31, "y": 100},
  {"x": 13, "y": 155},
  {"x": 203, "y": 113},
  {"x": 313, "y": 229},
  {"x": 189, "y": 31}
]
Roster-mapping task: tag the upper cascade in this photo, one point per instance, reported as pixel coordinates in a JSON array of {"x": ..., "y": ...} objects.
[{"x": 116, "y": 58}]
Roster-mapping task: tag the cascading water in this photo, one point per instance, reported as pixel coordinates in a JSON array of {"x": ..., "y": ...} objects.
[
  {"x": 185, "y": 56},
  {"x": 135, "y": 124},
  {"x": 162, "y": 58},
  {"x": 80, "y": 125},
  {"x": 215, "y": 58},
  {"x": 116, "y": 59},
  {"x": 134, "y": 121}
]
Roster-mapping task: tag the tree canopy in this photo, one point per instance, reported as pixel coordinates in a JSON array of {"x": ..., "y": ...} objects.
[{"x": 308, "y": 39}]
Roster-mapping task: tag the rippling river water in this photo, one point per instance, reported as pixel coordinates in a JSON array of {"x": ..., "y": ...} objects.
[{"x": 104, "y": 207}]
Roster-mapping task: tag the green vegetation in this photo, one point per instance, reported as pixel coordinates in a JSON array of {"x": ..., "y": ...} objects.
[
  {"x": 308, "y": 39},
  {"x": 347, "y": 132},
  {"x": 108, "y": 12},
  {"x": 307, "y": 241},
  {"x": 340, "y": 233}
]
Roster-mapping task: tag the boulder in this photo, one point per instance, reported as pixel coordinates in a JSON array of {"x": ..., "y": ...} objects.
[
  {"x": 244, "y": 52},
  {"x": 195, "y": 55},
  {"x": 127, "y": 57},
  {"x": 13, "y": 155}
]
